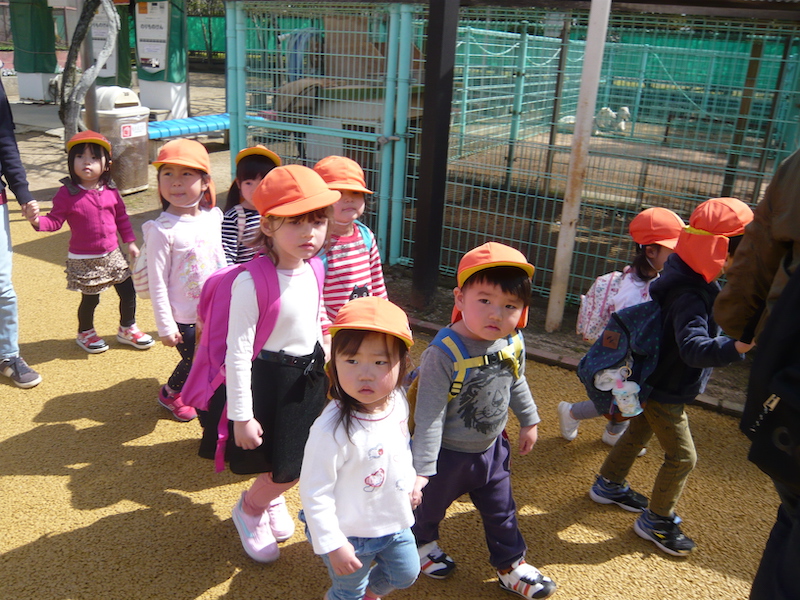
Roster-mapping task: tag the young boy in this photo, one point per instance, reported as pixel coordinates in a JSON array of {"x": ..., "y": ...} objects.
[
  {"x": 353, "y": 264},
  {"x": 691, "y": 345},
  {"x": 459, "y": 447}
]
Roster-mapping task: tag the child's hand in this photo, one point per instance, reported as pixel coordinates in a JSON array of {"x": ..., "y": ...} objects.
[
  {"x": 527, "y": 438},
  {"x": 247, "y": 434},
  {"x": 30, "y": 210},
  {"x": 416, "y": 494},
  {"x": 742, "y": 347},
  {"x": 172, "y": 340},
  {"x": 133, "y": 250},
  {"x": 344, "y": 560}
]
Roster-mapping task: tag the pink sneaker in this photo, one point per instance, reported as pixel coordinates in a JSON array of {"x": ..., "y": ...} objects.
[
  {"x": 280, "y": 521},
  {"x": 133, "y": 336},
  {"x": 256, "y": 535},
  {"x": 91, "y": 342},
  {"x": 173, "y": 403}
]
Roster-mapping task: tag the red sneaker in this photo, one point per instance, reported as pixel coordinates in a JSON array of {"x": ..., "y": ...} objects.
[{"x": 173, "y": 403}]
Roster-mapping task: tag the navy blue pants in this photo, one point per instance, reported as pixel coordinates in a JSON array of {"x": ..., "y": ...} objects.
[
  {"x": 486, "y": 477},
  {"x": 777, "y": 577}
]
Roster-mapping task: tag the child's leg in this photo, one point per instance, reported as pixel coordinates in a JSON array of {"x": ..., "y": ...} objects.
[
  {"x": 454, "y": 478},
  {"x": 127, "y": 302},
  {"x": 397, "y": 566},
  {"x": 186, "y": 350},
  {"x": 495, "y": 502},
  {"x": 581, "y": 411},
  {"x": 86, "y": 309},
  {"x": 620, "y": 459},
  {"x": 671, "y": 426},
  {"x": 263, "y": 491}
]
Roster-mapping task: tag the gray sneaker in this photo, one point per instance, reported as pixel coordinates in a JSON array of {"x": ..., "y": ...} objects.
[{"x": 16, "y": 369}]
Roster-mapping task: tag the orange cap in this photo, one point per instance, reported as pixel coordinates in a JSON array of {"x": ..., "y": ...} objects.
[
  {"x": 292, "y": 190},
  {"x": 372, "y": 313},
  {"x": 342, "y": 173},
  {"x": 259, "y": 150},
  {"x": 656, "y": 226},
  {"x": 492, "y": 254},
  {"x": 89, "y": 137},
  {"x": 703, "y": 245},
  {"x": 188, "y": 153}
]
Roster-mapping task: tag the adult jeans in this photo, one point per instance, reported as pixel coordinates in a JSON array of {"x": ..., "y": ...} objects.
[
  {"x": 777, "y": 577},
  {"x": 670, "y": 424},
  {"x": 9, "y": 325}
]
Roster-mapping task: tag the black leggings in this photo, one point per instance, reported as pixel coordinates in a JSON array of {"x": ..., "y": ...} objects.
[
  {"x": 186, "y": 349},
  {"x": 127, "y": 306}
]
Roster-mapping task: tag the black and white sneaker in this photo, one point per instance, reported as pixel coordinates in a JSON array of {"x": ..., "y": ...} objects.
[
  {"x": 527, "y": 581},
  {"x": 434, "y": 562},
  {"x": 664, "y": 532}
]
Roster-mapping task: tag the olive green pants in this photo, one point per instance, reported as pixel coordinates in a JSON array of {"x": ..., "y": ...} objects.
[{"x": 670, "y": 424}]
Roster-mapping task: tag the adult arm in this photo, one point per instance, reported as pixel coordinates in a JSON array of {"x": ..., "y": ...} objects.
[{"x": 10, "y": 162}]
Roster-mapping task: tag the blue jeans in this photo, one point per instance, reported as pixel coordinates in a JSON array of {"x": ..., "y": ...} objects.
[
  {"x": 9, "y": 326},
  {"x": 396, "y": 566}
]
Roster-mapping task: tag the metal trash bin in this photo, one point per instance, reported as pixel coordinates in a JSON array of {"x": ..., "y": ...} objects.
[{"x": 123, "y": 120}]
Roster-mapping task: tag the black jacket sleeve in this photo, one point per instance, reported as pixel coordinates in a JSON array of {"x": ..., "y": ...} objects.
[{"x": 10, "y": 163}]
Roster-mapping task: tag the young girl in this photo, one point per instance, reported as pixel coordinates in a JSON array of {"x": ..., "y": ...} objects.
[
  {"x": 357, "y": 475},
  {"x": 655, "y": 231},
  {"x": 183, "y": 249},
  {"x": 353, "y": 266},
  {"x": 90, "y": 203},
  {"x": 272, "y": 400},
  {"x": 241, "y": 222}
]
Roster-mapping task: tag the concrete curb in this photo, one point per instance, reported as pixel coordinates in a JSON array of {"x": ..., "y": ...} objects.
[{"x": 571, "y": 363}]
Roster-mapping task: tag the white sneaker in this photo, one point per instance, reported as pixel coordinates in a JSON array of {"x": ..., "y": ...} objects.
[
  {"x": 611, "y": 439},
  {"x": 434, "y": 562},
  {"x": 527, "y": 581},
  {"x": 256, "y": 535},
  {"x": 568, "y": 424},
  {"x": 280, "y": 521}
]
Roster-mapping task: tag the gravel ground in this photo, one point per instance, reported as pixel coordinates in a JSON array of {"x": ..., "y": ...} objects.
[{"x": 105, "y": 497}]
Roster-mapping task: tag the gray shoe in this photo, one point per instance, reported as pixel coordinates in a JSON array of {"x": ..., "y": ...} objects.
[{"x": 16, "y": 369}]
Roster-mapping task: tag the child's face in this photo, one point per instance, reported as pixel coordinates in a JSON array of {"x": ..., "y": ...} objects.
[
  {"x": 371, "y": 374},
  {"x": 488, "y": 312},
  {"x": 88, "y": 167},
  {"x": 658, "y": 255},
  {"x": 349, "y": 207},
  {"x": 182, "y": 187},
  {"x": 295, "y": 239},
  {"x": 246, "y": 189}
]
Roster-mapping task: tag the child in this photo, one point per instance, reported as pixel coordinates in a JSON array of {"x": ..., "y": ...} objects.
[
  {"x": 273, "y": 400},
  {"x": 690, "y": 347},
  {"x": 459, "y": 446},
  {"x": 357, "y": 475},
  {"x": 655, "y": 231},
  {"x": 353, "y": 263},
  {"x": 183, "y": 249},
  {"x": 92, "y": 206},
  {"x": 241, "y": 222}
]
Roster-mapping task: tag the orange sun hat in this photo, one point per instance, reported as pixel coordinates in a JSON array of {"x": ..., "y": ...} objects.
[
  {"x": 492, "y": 254},
  {"x": 260, "y": 151},
  {"x": 372, "y": 313},
  {"x": 656, "y": 225},
  {"x": 342, "y": 174},
  {"x": 191, "y": 154},
  {"x": 292, "y": 190},
  {"x": 89, "y": 137}
]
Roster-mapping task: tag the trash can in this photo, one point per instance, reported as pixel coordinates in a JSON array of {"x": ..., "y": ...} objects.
[{"x": 123, "y": 120}]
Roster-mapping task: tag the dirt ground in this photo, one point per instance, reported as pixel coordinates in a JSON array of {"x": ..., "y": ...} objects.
[{"x": 105, "y": 497}]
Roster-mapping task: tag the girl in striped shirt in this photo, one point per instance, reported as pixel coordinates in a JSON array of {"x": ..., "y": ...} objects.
[
  {"x": 353, "y": 263},
  {"x": 242, "y": 221}
]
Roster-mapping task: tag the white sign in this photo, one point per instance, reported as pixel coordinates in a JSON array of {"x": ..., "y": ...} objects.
[
  {"x": 100, "y": 27},
  {"x": 133, "y": 130},
  {"x": 152, "y": 35}
]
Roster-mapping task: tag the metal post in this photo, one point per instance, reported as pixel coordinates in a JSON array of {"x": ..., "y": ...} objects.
[
  {"x": 516, "y": 108},
  {"x": 439, "y": 64},
  {"x": 387, "y": 143},
  {"x": 235, "y": 47},
  {"x": 579, "y": 159},
  {"x": 465, "y": 84}
]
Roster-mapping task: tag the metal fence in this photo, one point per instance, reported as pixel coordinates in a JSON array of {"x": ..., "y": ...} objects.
[{"x": 688, "y": 109}]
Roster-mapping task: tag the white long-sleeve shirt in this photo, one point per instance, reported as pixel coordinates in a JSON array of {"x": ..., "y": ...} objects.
[
  {"x": 179, "y": 260},
  {"x": 357, "y": 486},
  {"x": 297, "y": 330}
]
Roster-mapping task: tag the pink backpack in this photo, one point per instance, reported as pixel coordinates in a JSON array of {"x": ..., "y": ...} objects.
[
  {"x": 208, "y": 367},
  {"x": 596, "y": 306}
]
